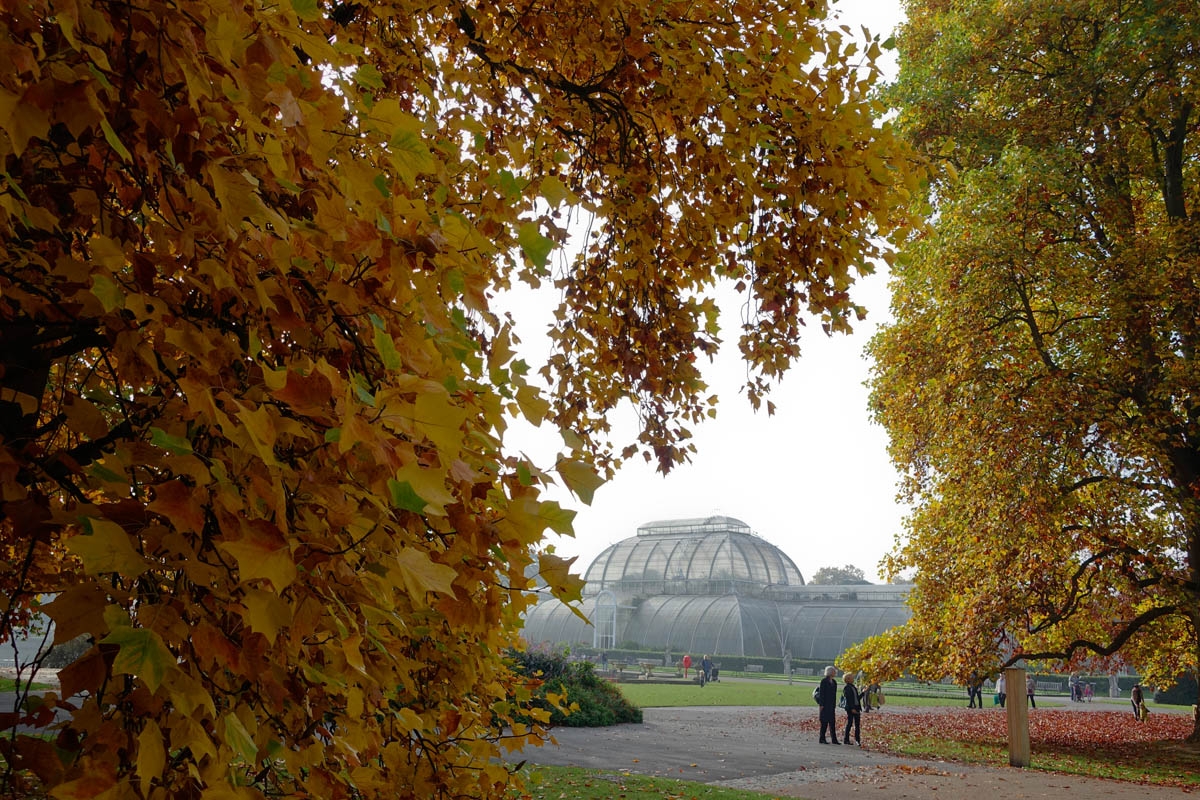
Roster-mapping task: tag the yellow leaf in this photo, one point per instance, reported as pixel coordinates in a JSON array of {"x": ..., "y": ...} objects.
[
  {"x": 580, "y": 478},
  {"x": 441, "y": 421},
  {"x": 557, "y": 574},
  {"x": 421, "y": 574},
  {"x": 266, "y": 612},
  {"x": 152, "y": 756},
  {"x": 351, "y": 649},
  {"x": 429, "y": 484},
  {"x": 535, "y": 408},
  {"x": 106, "y": 549},
  {"x": 262, "y": 553}
]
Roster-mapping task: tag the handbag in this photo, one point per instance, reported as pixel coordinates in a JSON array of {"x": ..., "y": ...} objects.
[{"x": 817, "y": 694}]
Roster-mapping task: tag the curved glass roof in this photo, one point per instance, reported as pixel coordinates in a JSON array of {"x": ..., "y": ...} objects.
[
  {"x": 711, "y": 555},
  {"x": 724, "y": 625},
  {"x": 710, "y": 585}
]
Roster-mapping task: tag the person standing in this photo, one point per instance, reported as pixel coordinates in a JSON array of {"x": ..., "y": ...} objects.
[
  {"x": 687, "y": 664},
  {"x": 1001, "y": 689},
  {"x": 1030, "y": 686},
  {"x": 853, "y": 705},
  {"x": 975, "y": 691},
  {"x": 1138, "y": 699},
  {"x": 706, "y": 668},
  {"x": 827, "y": 692}
]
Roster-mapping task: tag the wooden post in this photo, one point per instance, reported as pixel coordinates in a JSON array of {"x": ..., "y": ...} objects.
[{"x": 1018, "y": 717}]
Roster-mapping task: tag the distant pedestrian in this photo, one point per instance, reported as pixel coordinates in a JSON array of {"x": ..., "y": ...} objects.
[
  {"x": 1138, "y": 699},
  {"x": 870, "y": 695},
  {"x": 853, "y": 705},
  {"x": 975, "y": 691},
  {"x": 1030, "y": 687},
  {"x": 827, "y": 693},
  {"x": 687, "y": 664},
  {"x": 1001, "y": 689},
  {"x": 1089, "y": 692},
  {"x": 706, "y": 666}
]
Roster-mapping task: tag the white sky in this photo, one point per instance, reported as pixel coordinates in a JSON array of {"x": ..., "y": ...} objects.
[{"x": 814, "y": 479}]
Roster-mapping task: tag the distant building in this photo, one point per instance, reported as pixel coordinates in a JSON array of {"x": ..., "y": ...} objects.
[{"x": 712, "y": 585}]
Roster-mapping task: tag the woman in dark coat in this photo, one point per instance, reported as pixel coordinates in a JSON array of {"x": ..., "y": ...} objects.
[
  {"x": 853, "y": 704},
  {"x": 827, "y": 696}
]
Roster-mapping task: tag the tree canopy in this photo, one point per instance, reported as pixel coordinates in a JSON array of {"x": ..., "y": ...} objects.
[
  {"x": 1040, "y": 383},
  {"x": 253, "y": 391},
  {"x": 848, "y": 574}
]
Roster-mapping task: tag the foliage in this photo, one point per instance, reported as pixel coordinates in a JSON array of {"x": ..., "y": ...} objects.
[
  {"x": 1105, "y": 744},
  {"x": 551, "y": 783},
  {"x": 1040, "y": 384},
  {"x": 1180, "y": 693},
  {"x": 571, "y": 692},
  {"x": 838, "y": 576},
  {"x": 253, "y": 393},
  {"x": 594, "y": 701}
]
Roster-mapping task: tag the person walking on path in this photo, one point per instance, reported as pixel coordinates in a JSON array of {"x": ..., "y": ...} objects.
[
  {"x": 706, "y": 668},
  {"x": 1001, "y": 687},
  {"x": 827, "y": 692},
  {"x": 853, "y": 705},
  {"x": 1030, "y": 686},
  {"x": 687, "y": 664}
]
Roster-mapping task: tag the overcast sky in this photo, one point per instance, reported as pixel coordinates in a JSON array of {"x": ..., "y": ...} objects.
[{"x": 814, "y": 479}]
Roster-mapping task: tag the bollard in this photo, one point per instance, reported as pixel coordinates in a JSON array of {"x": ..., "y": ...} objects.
[{"x": 1018, "y": 718}]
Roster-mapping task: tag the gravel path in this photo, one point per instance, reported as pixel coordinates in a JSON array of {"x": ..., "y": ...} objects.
[{"x": 738, "y": 747}]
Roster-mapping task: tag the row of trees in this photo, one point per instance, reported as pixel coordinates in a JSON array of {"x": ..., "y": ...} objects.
[
  {"x": 1040, "y": 382},
  {"x": 253, "y": 391}
]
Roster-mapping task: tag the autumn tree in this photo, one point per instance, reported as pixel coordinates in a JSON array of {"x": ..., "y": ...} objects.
[
  {"x": 848, "y": 574},
  {"x": 1040, "y": 383},
  {"x": 254, "y": 393}
]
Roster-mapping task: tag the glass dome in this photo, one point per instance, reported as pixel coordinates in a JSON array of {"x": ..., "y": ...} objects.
[
  {"x": 712, "y": 556},
  {"x": 710, "y": 585}
]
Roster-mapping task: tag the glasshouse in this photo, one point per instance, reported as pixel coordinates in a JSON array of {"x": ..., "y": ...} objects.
[{"x": 712, "y": 585}]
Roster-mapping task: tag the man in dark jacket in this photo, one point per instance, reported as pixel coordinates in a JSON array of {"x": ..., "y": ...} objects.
[{"x": 827, "y": 695}]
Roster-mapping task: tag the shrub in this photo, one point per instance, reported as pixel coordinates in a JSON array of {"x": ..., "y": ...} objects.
[{"x": 599, "y": 702}]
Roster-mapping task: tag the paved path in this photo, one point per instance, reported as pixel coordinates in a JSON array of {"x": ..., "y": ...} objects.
[{"x": 739, "y": 747}]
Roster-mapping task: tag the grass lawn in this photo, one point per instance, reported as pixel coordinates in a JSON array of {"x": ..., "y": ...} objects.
[
  {"x": 10, "y": 685},
  {"x": 554, "y": 783},
  {"x": 730, "y": 692}
]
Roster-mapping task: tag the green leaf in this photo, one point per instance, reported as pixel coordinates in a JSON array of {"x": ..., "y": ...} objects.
[
  {"x": 558, "y": 518},
  {"x": 367, "y": 77},
  {"x": 307, "y": 9},
  {"x": 385, "y": 345},
  {"x": 142, "y": 653},
  {"x": 537, "y": 248},
  {"x": 111, "y": 137},
  {"x": 238, "y": 738},
  {"x": 176, "y": 445},
  {"x": 108, "y": 292},
  {"x": 403, "y": 496}
]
